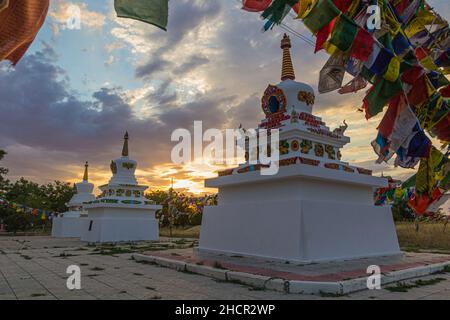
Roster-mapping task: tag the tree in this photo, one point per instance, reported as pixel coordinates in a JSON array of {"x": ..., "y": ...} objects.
[
  {"x": 3, "y": 172},
  {"x": 52, "y": 196}
]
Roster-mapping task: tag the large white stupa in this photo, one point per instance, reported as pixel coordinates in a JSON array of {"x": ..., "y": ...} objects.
[
  {"x": 69, "y": 224},
  {"x": 316, "y": 208},
  {"x": 121, "y": 213}
]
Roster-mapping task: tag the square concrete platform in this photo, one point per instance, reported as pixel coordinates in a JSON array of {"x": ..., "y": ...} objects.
[{"x": 337, "y": 278}]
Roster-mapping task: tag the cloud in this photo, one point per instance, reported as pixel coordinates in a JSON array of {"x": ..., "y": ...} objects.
[
  {"x": 63, "y": 11},
  {"x": 48, "y": 130},
  {"x": 191, "y": 64}
]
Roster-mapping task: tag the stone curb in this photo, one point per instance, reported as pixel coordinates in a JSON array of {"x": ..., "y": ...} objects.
[{"x": 291, "y": 286}]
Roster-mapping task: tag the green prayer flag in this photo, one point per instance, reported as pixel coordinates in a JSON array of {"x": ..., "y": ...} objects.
[
  {"x": 344, "y": 33},
  {"x": 321, "y": 15},
  {"x": 379, "y": 96},
  {"x": 154, "y": 12}
]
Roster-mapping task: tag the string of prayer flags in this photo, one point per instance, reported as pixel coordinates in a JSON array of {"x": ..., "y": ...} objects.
[
  {"x": 154, "y": 12},
  {"x": 20, "y": 21},
  {"x": 19, "y": 208}
]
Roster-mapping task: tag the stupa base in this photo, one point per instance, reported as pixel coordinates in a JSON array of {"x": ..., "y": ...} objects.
[
  {"x": 67, "y": 227},
  {"x": 304, "y": 231},
  {"x": 107, "y": 224}
]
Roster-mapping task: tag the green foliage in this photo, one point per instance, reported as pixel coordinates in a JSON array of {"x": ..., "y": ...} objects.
[
  {"x": 17, "y": 221},
  {"x": 3, "y": 172},
  {"x": 401, "y": 211},
  {"x": 52, "y": 196},
  {"x": 179, "y": 209}
]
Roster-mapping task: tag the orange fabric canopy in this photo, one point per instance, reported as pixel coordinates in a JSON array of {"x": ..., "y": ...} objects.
[{"x": 20, "y": 22}]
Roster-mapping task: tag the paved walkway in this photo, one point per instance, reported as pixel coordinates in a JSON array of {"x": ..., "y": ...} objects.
[{"x": 35, "y": 268}]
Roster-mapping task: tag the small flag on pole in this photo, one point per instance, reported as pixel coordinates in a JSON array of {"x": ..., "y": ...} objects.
[{"x": 154, "y": 12}]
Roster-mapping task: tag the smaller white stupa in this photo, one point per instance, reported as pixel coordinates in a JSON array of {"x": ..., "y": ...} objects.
[
  {"x": 69, "y": 224},
  {"x": 121, "y": 213}
]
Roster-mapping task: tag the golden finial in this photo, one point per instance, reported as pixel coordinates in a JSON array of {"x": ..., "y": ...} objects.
[
  {"x": 125, "y": 145},
  {"x": 287, "y": 69},
  {"x": 86, "y": 176}
]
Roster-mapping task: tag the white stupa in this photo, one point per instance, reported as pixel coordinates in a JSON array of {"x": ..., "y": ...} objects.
[
  {"x": 316, "y": 208},
  {"x": 69, "y": 224},
  {"x": 121, "y": 213}
]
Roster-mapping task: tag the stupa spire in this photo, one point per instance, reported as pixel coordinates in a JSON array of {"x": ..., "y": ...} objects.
[
  {"x": 287, "y": 69},
  {"x": 125, "y": 145},
  {"x": 86, "y": 175}
]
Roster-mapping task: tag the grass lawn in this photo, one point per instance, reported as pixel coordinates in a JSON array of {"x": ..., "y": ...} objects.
[
  {"x": 188, "y": 232},
  {"x": 431, "y": 237}
]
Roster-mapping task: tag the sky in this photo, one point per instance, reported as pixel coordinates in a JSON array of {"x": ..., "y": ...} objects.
[{"x": 76, "y": 92}]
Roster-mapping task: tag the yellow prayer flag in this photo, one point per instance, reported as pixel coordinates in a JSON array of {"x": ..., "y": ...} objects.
[
  {"x": 305, "y": 8},
  {"x": 393, "y": 70}
]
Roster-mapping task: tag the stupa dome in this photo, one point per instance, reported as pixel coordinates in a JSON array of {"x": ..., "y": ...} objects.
[
  {"x": 83, "y": 191},
  {"x": 288, "y": 93},
  {"x": 123, "y": 168},
  {"x": 298, "y": 95}
]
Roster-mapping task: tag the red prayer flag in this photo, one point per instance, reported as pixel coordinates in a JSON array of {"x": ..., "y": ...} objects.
[
  {"x": 362, "y": 46},
  {"x": 418, "y": 92},
  {"x": 445, "y": 92},
  {"x": 296, "y": 7},
  {"x": 411, "y": 75},
  {"x": 323, "y": 34},
  {"x": 343, "y": 5},
  {"x": 386, "y": 125},
  {"x": 255, "y": 5},
  {"x": 19, "y": 24}
]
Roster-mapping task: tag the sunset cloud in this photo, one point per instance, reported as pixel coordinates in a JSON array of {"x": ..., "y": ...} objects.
[{"x": 73, "y": 95}]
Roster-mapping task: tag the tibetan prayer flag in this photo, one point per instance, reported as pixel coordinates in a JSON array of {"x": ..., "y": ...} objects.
[
  {"x": 344, "y": 33},
  {"x": 379, "y": 95},
  {"x": 426, "y": 177},
  {"x": 20, "y": 22},
  {"x": 154, "y": 12},
  {"x": 304, "y": 6},
  {"x": 445, "y": 92},
  {"x": 419, "y": 91},
  {"x": 343, "y": 5},
  {"x": 323, "y": 35},
  {"x": 362, "y": 46},
  {"x": 332, "y": 74},
  {"x": 400, "y": 43},
  {"x": 354, "y": 85},
  {"x": 393, "y": 70},
  {"x": 397, "y": 125},
  {"x": 255, "y": 5},
  {"x": 277, "y": 11},
  {"x": 418, "y": 146},
  {"x": 381, "y": 62},
  {"x": 410, "y": 76},
  {"x": 320, "y": 15}
]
